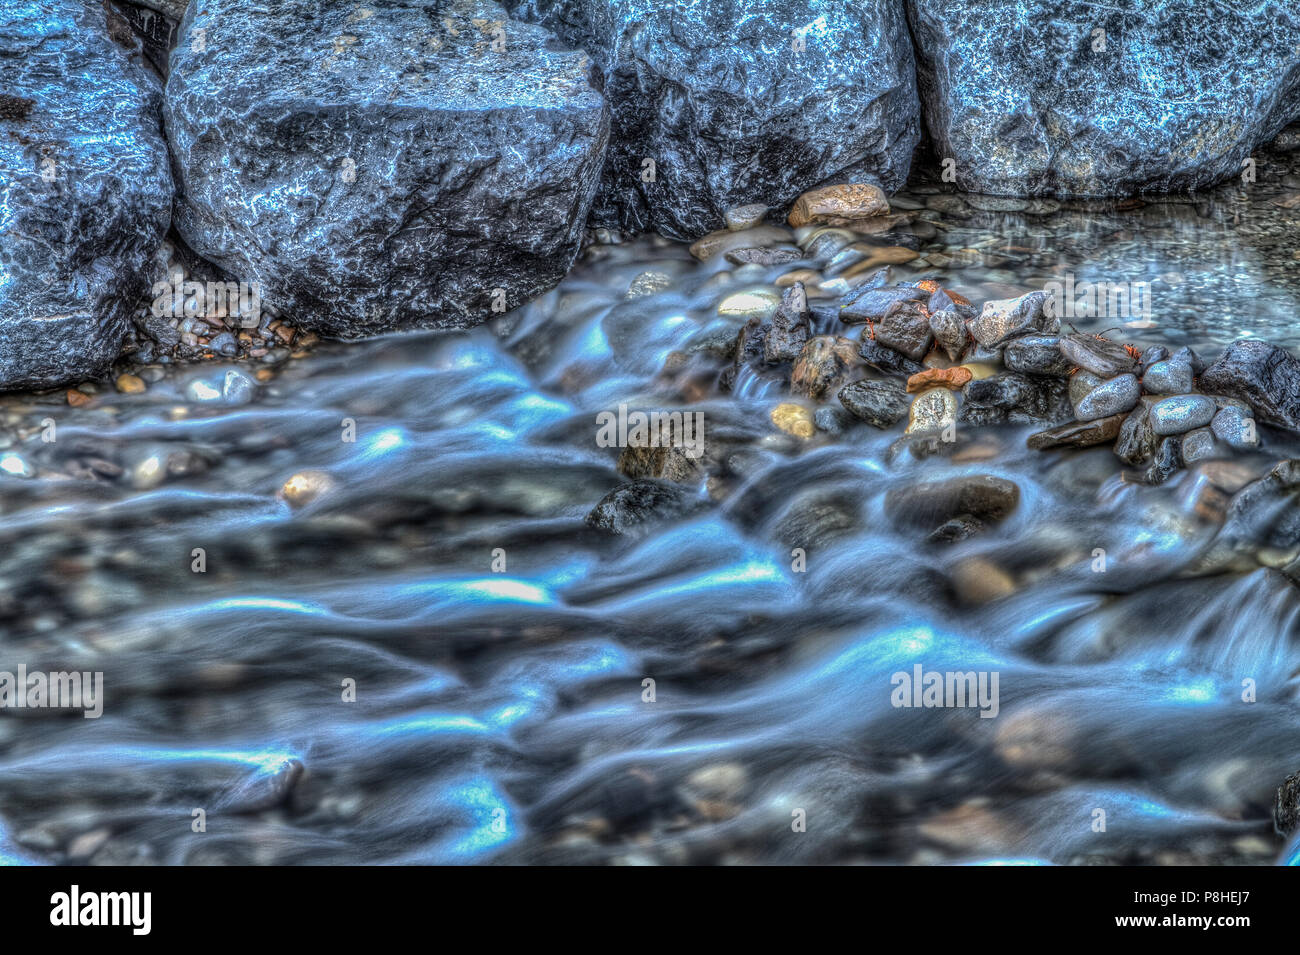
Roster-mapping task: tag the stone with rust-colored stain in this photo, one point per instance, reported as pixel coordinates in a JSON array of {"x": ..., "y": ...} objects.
[
  {"x": 839, "y": 205},
  {"x": 952, "y": 378},
  {"x": 931, "y": 286},
  {"x": 821, "y": 365}
]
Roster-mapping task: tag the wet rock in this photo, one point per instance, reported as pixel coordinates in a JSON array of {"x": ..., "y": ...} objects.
[
  {"x": 881, "y": 403},
  {"x": 290, "y": 182},
  {"x": 631, "y": 509},
  {"x": 905, "y": 328},
  {"x": 232, "y": 387},
  {"x": 1011, "y": 398},
  {"x": 844, "y": 107},
  {"x": 724, "y": 240},
  {"x": 794, "y": 419},
  {"x": 1235, "y": 428},
  {"x": 1168, "y": 460},
  {"x": 761, "y": 303},
  {"x": 1181, "y": 413},
  {"x": 886, "y": 359},
  {"x": 764, "y": 257},
  {"x": 1267, "y": 511},
  {"x": 831, "y": 420},
  {"x": 86, "y": 185},
  {"x": 1077, "y": 434},
  {"x": 1050, "y": 114},
  {"x": 1286, "y": 808},
  {"x": 305, "y": 487},
  {"x": 871, "y": 304},
  {"x": 1152, "y": 355},
  {"x": 791, "y": 327},
  {"x": 1198, "y": 445},
  {"x": 1103, "y": 358},
  {"x": 1004, "y": 319},
  {"x": 948, "y": 327},
  {"x": 821, "y": 365},
  {"x": 1116, "y": 396},
  {"x": 953, "y": 378},
  {"x": 817, "y": 517},
  {"x": 960, "y": 528},
  {"x": 651, "y": 282},
  {"x": 1266, "y": 376},
  {"x": 745, "y": 217},
  {"x": 978, "y": 580},
  {"x": 933, "y": 412},
  {"x": 262, "y": 790},
  {"x": 838, "y": 205},
  {"x": 1136, "y": 442},
  {"x": 1169, "y": 377},
  {"x": 1082, "y": 382},
  {"x": 930, "y": 504},
  {"x": 1036, "y": 355}
]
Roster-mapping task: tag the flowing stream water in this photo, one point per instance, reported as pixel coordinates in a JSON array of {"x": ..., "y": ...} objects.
[{"x": 498, "y": 644}]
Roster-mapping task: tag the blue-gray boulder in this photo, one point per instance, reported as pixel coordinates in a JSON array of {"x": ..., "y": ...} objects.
[
  {"x": 741, "y": 101},
  {"x": 85, "y": 188},
  {"x": 382, "y": 165},
  {"x": 1073, "y": 98}
]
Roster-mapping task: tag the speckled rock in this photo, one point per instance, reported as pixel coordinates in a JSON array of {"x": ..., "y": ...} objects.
[
  {"x": 1006, "y": 318},
  {"x": 1036, "y": 355},
  {"x": 380, "y": 171},
  {"x": 1235, "y": 427},
  {"x": 1181, "y": 413},
  {"x": 1097, "y": 355},
  {"x": 905, "y": 328},
  {"x": 1077, "y": 434},
  {"x": 886, "y": 359},
  {"x": 1136, "y": 442},
  {"x": 631, "y": 509},
  {"x": 881, "y": 403},
  {"x": 1169, "y": 377},
  {"x": 1266, "y": 376},
  {"x": 1168, "y": 460},
  {"x": 1029, "y": 98},
  {"x": 1198, "y": 445},
  {"x": 734, "y": 107},
  {"x": 85, "y": 188},
  {"x": 1011, "y": 398},
  {"x": 1111, "y": 397},
  {"x": 869, "y": 304}
]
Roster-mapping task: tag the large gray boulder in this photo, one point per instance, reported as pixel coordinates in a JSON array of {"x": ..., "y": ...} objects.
[
  {"x": 1067, "y": 97},
  {"x": 716, "y": 94},
  {"x": 85, "y": 188},
  {"x": 382, "y": 165}
]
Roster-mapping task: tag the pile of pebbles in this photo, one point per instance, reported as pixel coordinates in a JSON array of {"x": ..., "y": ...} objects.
[{"x": 886, "y": 352}]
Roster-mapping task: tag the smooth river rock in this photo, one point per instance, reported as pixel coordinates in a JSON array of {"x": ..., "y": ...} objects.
[
  {"x": 1112, "y": 397},
  {"x": 1182, "y": 413}
]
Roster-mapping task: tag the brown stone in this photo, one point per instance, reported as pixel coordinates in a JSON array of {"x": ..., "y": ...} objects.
[
  {"x": 839, "y": 205},
  {"x": 952, "y": 378}
]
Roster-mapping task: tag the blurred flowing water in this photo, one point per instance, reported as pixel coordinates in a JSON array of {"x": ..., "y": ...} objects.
[{"x": 499, "y": 713}]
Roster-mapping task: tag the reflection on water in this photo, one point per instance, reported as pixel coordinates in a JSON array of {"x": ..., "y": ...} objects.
[{"x": 498, "y": 645}]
